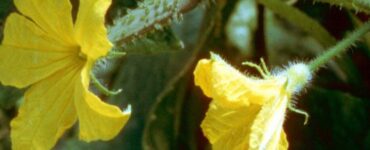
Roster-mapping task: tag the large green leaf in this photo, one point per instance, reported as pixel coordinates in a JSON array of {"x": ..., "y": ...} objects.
[{"x": 338, "y": 120}]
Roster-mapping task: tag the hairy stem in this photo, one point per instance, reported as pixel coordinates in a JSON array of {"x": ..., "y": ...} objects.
[{"x": 339, "y": 48}]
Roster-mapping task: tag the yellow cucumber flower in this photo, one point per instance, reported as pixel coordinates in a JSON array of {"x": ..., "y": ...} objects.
[
  {"x": 52, "y": 54},
  {"x": 247, "y": 112}
]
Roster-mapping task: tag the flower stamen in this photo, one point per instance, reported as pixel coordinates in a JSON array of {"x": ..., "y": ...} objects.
[
  {"x": 262, "y": 70},
  {"x": 299, "y": 111},
  {"x": 264, "y": 66}
]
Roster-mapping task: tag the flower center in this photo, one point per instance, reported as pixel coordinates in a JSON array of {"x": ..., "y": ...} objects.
[{"x": 81, "y": 55}]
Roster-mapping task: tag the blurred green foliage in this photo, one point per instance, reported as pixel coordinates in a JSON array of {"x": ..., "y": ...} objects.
[
  {"x": 5, "y": 7},
  {"x": 157, "y": 81}
]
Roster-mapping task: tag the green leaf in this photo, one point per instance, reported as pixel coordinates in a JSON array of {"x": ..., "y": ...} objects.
[
  {"x": 143, "y": 78},
  {"x": 4, "y": 8},
  {"x": 301, "y": 20},
  {"x": 336, "y": 116},
  {"x": 9, "y": 97},
  {"x": 162, "y": 128},
  {"x": 75, "y": 144}
]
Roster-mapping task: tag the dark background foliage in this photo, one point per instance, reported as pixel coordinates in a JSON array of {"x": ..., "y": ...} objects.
[{"x": 167, "y": 108}]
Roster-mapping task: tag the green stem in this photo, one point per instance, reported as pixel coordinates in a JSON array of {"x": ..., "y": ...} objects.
[
  {"x": 101, "y": 88},
  {"x": 339, "y": 48}
]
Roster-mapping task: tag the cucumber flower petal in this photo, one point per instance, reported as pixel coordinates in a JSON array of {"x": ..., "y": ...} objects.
[
  {"x": 45, "y": 51},
  {"x": 247, "y": 112}
]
